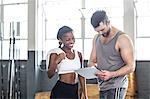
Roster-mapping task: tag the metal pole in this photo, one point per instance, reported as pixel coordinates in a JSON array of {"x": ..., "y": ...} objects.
[
  {"x": 9, "y": 65},
  {"x": 1, "y": 39},
  {"x": 17, "y": 66},
  {"x": 11, "y": 68},
  {"x": 19, "y": 79},
  {"x": 12, "y": 65},
  {"x": 2, "y": 78}
]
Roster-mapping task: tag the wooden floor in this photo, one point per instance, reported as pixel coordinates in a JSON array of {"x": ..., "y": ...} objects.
[
  {"x": 92, "y": 90},
  {"x": 42, "y": 95}
]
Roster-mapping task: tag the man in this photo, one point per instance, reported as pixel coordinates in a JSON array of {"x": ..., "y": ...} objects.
[{"x": 113, "y": 54}]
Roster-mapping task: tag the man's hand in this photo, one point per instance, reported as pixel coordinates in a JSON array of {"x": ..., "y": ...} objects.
[{"x": 105, "y": 75}]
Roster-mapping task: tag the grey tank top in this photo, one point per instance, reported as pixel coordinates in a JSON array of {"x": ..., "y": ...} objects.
[{"x": 109, "y": 59}]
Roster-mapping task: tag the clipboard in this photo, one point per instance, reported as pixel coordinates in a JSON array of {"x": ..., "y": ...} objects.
[{"x": 88, "y": 72}]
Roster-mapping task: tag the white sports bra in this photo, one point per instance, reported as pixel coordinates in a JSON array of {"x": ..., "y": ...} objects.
[{"x": 66, "y": 65}]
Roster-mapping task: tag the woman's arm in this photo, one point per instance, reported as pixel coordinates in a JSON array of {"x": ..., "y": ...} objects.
[
  {"x": 54, "y": 60},
  {"x": 83, "y": 87},
  {"x": 82, "y": 81}
]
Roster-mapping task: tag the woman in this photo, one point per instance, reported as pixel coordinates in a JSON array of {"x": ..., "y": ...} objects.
[{"x": 65, "y": 60}]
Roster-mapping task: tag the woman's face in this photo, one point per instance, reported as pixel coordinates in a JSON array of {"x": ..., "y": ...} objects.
[{"x": 68, "y": 40}]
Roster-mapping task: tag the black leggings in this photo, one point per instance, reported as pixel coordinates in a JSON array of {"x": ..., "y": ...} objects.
[{"x": 64, "y": 91}]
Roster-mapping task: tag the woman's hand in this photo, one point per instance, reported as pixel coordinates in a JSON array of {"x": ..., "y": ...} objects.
[
  {"x": 60, "y": 57},
  {"x": 85, "y": 97}
]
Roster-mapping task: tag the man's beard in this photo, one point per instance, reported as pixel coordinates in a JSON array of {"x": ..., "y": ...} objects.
[{"x": 106, "y": 34}]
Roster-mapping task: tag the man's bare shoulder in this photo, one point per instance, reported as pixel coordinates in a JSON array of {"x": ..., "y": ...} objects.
[
  {"x": 124, "y": 41},
  {"x": 95, "y": 36},
  {"x": 124, "y": 38}
]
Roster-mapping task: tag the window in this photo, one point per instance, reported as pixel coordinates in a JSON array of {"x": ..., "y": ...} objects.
[
  {"x": 13, "y": 1},
  {"x": 14, "y": 21},
  {"x": 114, "y": 11},
  {"x": 57, "y": 14},
  {"x": 143, "y": 35},
  {"x": 76, "y": 14}
]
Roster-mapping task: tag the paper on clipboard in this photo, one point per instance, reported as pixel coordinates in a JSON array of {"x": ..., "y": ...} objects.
[{"x": 88, "y": 72}]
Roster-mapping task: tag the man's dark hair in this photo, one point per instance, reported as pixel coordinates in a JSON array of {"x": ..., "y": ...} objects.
[{"x": 97, "y": 17}]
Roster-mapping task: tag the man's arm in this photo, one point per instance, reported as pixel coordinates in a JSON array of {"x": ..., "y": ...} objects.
[
  {"x": 92, "y": 60},
  {"x": 125, "y": 47}
]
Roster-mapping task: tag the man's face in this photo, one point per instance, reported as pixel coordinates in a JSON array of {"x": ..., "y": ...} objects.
[{"x": 103, "y": 29}]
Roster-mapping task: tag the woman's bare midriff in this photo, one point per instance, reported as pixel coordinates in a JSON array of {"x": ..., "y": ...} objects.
[{"x": 68, "y": 78}]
